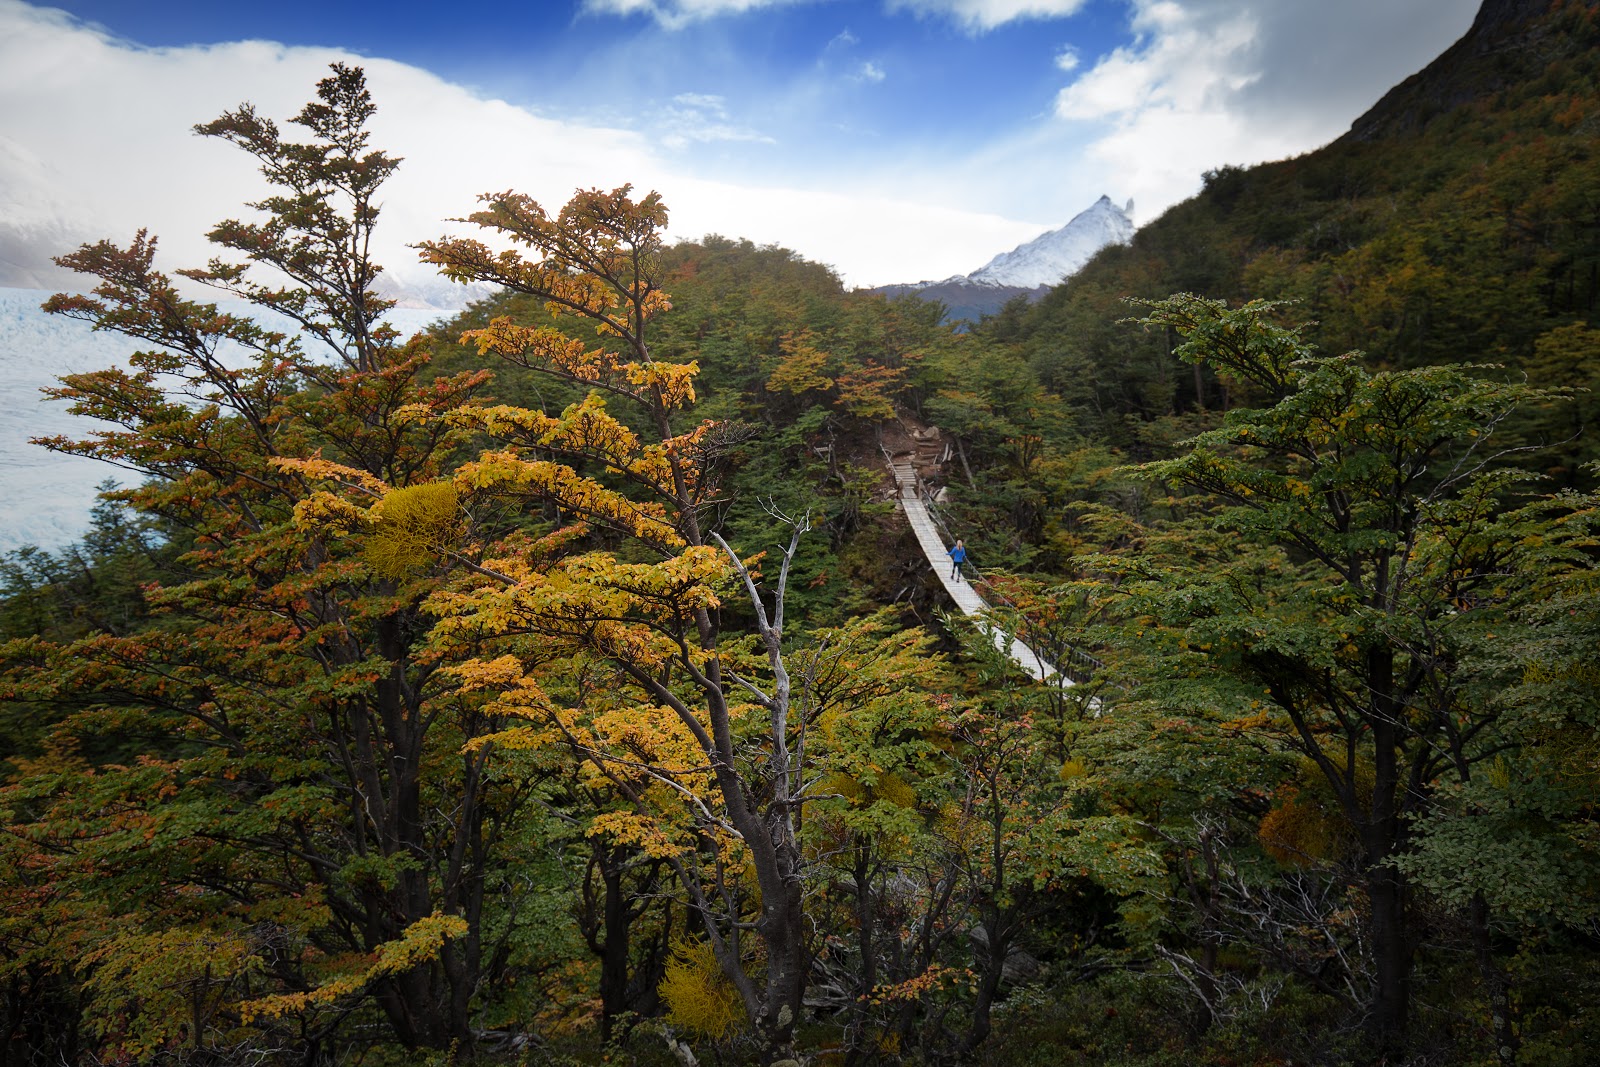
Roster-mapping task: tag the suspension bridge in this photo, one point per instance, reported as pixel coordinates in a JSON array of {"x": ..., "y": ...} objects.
[{"x": 916, "y": 503}]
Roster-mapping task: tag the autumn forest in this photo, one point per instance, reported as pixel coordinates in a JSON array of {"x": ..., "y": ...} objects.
[{"x": 562, "y": 685}]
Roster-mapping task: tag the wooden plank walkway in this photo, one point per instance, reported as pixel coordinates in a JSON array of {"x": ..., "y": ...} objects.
[{"x": 966, "y": 598}]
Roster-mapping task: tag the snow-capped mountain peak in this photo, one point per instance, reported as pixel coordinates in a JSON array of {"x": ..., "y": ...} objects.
[
  {"x": 1029, "y": 270},
  {"x": 1050, "y": 257}
]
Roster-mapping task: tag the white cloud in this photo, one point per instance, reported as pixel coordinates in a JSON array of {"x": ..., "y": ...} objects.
[
  {"x": 98, "y": 135},
  {"x": 871, "y": 72},
  {"x": 1180, "y": 64},
  {"x": 700, "y": 118},
  {"x": 977, "y": 16},
  {"x": 706, "y": 101},
  {"x": 114, "y": 123},
  {"x": 1321, "y": 65},
  {"x": 1213, "y": 82},
  {"x": 676, "y": 14},
  {"x": 1068, "y": 59}
]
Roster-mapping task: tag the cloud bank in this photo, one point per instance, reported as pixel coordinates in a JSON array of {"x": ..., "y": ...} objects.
[
  {"x": 97, "y": 137},
  {"x": 98, "y": 144},
  {"x": 978, "y": 16},
  {"x": 1211, "y": 82}
]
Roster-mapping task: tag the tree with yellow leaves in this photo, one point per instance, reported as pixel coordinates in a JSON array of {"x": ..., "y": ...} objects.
[
  {"x": 612, "y": 627},
  {"x": 293, "y": 832}
]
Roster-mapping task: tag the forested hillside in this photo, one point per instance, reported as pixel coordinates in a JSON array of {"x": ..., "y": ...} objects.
[
  {"x": 564, "y": 687},
  {"x": 1458, "y": 221}
]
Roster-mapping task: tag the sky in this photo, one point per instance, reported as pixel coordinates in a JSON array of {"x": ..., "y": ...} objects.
[{"x": 896, "y": 140}]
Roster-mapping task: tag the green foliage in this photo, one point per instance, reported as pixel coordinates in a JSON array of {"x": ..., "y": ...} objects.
[
  {"x": 93, "y": 585},
  {"x": 384, "y": 724},
  {"x": 171, "y": 989},
  {"x": 1460, "y": 228},
  {"x": 1517, "y": 836},
  {"x": 252, "y": 782},
  {"x": 1371, "y": 643}
]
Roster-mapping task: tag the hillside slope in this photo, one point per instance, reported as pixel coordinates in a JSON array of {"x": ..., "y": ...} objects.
[{"x": 1459, "y": 219}]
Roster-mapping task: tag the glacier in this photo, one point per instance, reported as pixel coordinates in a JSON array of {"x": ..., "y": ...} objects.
[{"x": 48, "y": 495}]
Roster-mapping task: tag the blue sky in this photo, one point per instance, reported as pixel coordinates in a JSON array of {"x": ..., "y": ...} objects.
[
  {"x": 784, "y": 76},
  {"x": 558, "y": 53},
  {"x": 895, "y": 139}
]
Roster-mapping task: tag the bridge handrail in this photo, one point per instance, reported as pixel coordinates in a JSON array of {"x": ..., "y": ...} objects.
[{"x": 1075, "y": 653}]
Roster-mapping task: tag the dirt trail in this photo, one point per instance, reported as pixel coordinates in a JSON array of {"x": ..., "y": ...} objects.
[{"x": 924, "y": 445}]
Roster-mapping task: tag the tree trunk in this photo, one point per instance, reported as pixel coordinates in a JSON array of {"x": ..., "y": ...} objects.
[
  {"x": 1391, "y": 943},
  {"x": 1502, "y": 1013},
  {"x": 866, "y": 940},
  {"x": 966, "y": 468},
  {"x": 999, "y": 932},
  {"x": 1391, "y": 961},
  {"x": 618, "y": 922},
  {"x": 782, "y": 929}
]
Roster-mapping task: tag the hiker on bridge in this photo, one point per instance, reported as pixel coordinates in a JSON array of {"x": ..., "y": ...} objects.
[{"x": 958, "y": 556}]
